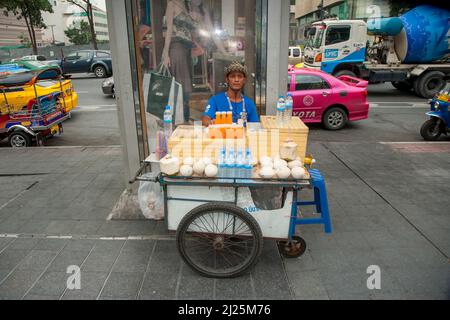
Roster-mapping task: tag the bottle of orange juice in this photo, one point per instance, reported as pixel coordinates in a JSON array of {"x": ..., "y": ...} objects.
[
  {"x": 218, "y": 117},
  {"x": 229, "y": 117}
]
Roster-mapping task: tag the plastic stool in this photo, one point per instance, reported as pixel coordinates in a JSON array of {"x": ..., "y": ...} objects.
[{"x": 320, "y": 202}]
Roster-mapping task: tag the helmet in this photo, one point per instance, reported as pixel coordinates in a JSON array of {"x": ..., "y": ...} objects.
[{"x": 236, "y": 66}]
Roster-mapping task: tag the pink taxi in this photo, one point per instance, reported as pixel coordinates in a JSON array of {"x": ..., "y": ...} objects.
[{"x": 321, "y": 98}]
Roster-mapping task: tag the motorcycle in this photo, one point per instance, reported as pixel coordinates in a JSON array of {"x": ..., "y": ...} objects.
[{"x": 439, "y": 122}]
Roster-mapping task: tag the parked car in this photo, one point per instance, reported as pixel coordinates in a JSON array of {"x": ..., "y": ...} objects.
[
  {"x": 19, "y": 94},
  {"x": 108, "y": 87},
  {"x": 295, "y": 55},
  {"x": 30, "y": 58},
  {"x": 321, "y": 98},
  {"x": 87, "y": 61}
]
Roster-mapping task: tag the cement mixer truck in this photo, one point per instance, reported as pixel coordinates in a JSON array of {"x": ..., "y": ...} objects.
[{"x": 411, "y": 51}]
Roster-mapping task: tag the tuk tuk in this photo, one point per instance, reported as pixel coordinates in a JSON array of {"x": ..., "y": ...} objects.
[{"x": 28, "y": 119}]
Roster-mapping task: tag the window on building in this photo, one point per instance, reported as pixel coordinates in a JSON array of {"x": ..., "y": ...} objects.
[
  {"x": 310, "y": 82},
  {"x": 337, "y": 34}
]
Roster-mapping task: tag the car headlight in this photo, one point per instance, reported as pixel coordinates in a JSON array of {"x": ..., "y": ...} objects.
[{"x": 436, "y": 105}]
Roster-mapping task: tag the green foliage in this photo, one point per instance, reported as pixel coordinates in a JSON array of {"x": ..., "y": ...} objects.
[
  {"x": 25, "y": 40},
  {"x": 29, "y": 10},
  {"x": 79, "y": 33}
]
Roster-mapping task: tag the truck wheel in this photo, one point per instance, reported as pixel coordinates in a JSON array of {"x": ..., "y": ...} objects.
[
  {"x": 335, "y": 118},
  {"x": 19, "y": 139},
  {"x": 431, "y": 130},
  {"x": 100, "y": 71},
  {"x": 345, "y": 73},
  {"x": 428, "y": 84},
  {"x": 402, "y": 85}
]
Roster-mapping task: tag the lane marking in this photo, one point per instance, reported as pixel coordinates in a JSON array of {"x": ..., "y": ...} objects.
[
  {"x": 87, "y": 237},
  {"x": 414, "y": 142}
]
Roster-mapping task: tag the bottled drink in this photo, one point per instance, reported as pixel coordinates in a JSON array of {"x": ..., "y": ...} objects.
[
  {"x": 248, "y": 167},
  {"x": 229, "y": 117},
  {"x": 167, "y": 122},
  {"x": 218, "y": 117},
  {"x": 280, "y": 111},
  {"x": 230, "y": 165},
  {"x": 240, "y": 164},
  {"x": 221, "y": 165},
  {"x": 288, "y": 108}
]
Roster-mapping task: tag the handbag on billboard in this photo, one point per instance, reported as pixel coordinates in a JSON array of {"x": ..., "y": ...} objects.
[{"x": 160, "y": 86}]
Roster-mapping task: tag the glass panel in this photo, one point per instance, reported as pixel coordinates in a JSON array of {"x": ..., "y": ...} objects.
[
  {"x": 337, "y": 34},
  {"x": 310, "y": 82},
  {"x": 184, "y": 46},
  {"x": 83, "y": 55}
]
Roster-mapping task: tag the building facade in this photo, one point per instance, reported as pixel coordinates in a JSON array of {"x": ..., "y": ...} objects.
[
  {"x": 14, "y": 32},
  {"x": 64, "y": 15}
]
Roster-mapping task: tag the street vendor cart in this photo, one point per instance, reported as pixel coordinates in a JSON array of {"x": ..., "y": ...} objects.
[{"x": 221, "y": 221}]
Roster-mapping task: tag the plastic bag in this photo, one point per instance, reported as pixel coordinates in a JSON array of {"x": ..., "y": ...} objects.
[
  {"x": 268, "y": 198},
  {"x": 151, "y": 199}
]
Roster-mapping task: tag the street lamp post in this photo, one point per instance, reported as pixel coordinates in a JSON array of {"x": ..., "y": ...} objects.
[{"x": 53, "y": 35}]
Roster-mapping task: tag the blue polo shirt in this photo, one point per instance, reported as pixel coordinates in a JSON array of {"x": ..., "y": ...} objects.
[{"x": 219, "y": 103}]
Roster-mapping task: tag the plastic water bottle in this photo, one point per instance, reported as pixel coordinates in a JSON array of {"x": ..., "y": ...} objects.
[
  {"x": 221, "y": 165},
  {"x": 248, "y": 167},
  {"x": 280, "y": 111},
  {"x": 240, "y": 164},
  {"x": 288, "y": 108},
  {"x": 167, "y": 122},
  {"x": 230, "y": 165}
]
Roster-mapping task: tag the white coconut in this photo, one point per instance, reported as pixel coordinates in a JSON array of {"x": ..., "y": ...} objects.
[
  {"x": 283, "y": 172},
  {"x": 277, "y": 163},
  {"x": 199, "y": 167},
  {"x": 207, "y": 161},
  {"x": 169, "y": 165},
  {"x": 188, "y": 161},
  {"x": 211, "y": 170},
  {"x": 266, "y": 172},
  {"x": 266, "y": 161},
  {"x": 298, "y": 172},
  {"x": 185, "y": 170},
  {"x": 294, "y": 163}
]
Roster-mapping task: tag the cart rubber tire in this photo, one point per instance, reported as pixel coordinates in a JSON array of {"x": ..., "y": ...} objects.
[
  {"x": 100, "y": 72},
  {"x": 214, "y": 272},
  {"x": 19, "y": 139},
  {"x": 428, "y": 130},
  {"x": 428, "y": 84},
  {"x": 335, "y": 118},
  {"x": 292, "y": 249}
]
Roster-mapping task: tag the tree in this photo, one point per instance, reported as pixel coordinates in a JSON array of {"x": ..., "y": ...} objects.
[
  {"x": 78, "y": 34},
  {"x": 86, "y": 6},
  {"x": 30, "y": 11}
]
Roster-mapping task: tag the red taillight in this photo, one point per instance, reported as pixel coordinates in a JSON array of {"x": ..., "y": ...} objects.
[
  {"x": 365, "y": 93},
  {"x": 318, "y": 58}
]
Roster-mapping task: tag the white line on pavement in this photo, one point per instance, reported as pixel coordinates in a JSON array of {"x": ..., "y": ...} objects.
[{"x": 415, "y": 142}]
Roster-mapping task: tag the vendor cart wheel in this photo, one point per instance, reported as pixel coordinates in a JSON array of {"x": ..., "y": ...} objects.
[
  {"x": 19, "y": 139},
  {"x": 219, "y": 240},
  {"x": 292, "y": 249}
]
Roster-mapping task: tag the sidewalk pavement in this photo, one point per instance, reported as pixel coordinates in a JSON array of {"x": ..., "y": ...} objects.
[{"x": 388, "y": 202}]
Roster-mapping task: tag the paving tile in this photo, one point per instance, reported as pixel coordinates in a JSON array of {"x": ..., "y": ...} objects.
[
  {"x": 132, "y": 261},
  {"x": 90, "y": 285},
  {"x": 85, "y": 227},
  {"x": 124, "y": 285},
  {"x": 195, "y": 287},
  {"x": 50, "y": 244},
  {"x": 278, "y": 288},
  {"x": 51, "y": 283},
  {"x": 235, "y": 288},
  {"x": 60, "y": 227},
  {"x": 159, "y": 286},
  {"x": 80, "y": 245},
  {"x": 68, "y": 258},
  {"x": 18, "y": 283},
  {"x": 40, "y": 297},
  {"x": 10, "y": 258},
  {"x": 37, "y": 260},
  {"x": 307, "y": 284},
  {"x": 100, "y": 261}
]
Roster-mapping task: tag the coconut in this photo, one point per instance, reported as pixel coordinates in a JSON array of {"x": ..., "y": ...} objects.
[
  {"x": 211, "y": 170},
  {"x": 185, "y": 170},
  {"x": 298, "y": 172}
]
